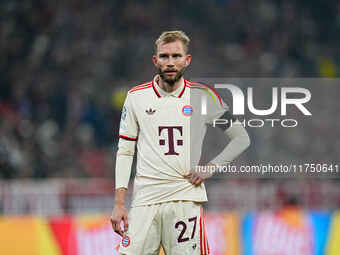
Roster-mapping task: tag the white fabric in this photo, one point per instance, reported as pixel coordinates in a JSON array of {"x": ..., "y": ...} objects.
[
  {"x": 152, "y": 117},
  {"x": 126, "y": 150},
  {"x": 239, "y": 141},
  {"x": 162, "y": 224}
]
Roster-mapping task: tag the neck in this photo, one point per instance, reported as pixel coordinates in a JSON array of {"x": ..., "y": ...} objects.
[{"x": 167, "y": 87}]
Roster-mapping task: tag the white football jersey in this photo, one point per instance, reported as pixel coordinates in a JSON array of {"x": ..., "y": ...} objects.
[{"x": 169, "y": 129}]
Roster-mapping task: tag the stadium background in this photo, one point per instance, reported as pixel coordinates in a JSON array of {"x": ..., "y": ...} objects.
[{"x": 65, "y": 68}]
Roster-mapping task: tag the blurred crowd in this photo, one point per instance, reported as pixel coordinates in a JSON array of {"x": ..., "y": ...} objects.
[{"x": 66, "y": 66}]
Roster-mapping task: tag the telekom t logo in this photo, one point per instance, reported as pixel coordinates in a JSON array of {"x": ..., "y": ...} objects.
[{"x": 171, "y": 140}]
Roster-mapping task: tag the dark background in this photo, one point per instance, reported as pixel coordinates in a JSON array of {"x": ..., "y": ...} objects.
[{"x": 66, "y": 66}]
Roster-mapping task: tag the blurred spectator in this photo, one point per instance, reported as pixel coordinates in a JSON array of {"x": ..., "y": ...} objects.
[{"x": 63, "y": 64}]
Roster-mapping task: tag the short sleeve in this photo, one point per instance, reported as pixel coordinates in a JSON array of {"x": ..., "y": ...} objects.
[{"x": 128, "y": 128}]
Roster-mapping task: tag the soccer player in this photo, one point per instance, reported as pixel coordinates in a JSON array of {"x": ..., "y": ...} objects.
[{"x": 162, "y": 119}]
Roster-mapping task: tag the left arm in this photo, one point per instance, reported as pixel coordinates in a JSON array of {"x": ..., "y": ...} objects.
[{"x": 239, "y": 142}]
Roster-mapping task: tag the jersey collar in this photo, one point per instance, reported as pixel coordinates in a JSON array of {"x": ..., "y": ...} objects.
[{"x": 162, "y": 93}]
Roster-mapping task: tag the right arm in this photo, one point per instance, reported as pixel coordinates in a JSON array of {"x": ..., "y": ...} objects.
[
  {"x": 124, "y": 160},
  {"x": 119, "y": 212},
  {"x": 126, "y": 149}
]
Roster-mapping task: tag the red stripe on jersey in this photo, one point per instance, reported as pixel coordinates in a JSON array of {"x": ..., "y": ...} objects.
[
  {"x": 140, "y": 86},
  {"x": 205, "y": 238},
  {"x": 133, "y": 90},
  {"x": 201, "y": 240},
  {"x": 127, "y": 137},
  {"x": 153, "y": 86},
  {"x": 180, "y": 94},
  {"x": 208, "y": 246},
  {"x": 199, "y": 85}
]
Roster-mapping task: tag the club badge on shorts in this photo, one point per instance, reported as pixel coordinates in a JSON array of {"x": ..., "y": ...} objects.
[
  {"x": 187, "y": 110},
  {"x": 126, "y": 241}
]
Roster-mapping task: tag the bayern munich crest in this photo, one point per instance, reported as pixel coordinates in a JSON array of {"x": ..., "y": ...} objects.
[
  {"x": 187, "y": 110},
  {"x": 126, "y": 241}
]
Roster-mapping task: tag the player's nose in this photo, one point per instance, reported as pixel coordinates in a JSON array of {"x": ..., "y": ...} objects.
[{"x": 171, "y": 62}]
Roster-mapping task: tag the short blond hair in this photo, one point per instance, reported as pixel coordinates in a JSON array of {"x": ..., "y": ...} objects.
[{"x": 172, "y": 36}]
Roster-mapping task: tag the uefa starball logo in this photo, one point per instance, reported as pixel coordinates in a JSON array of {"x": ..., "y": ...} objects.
[{"x": 281, "y": 97}]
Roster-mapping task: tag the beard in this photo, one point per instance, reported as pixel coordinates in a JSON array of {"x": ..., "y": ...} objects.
[{"x": 171, "y": 80}]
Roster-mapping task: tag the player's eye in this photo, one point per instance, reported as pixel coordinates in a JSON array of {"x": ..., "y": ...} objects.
[
  {"x": 163, "y": 56},
  {"x": 177, "y": 56}
]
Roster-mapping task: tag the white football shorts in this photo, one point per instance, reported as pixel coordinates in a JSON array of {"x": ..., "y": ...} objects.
[{"x": 177, "y": 225}]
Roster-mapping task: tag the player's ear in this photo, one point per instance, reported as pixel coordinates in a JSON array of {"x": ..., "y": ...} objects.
[
  {"x": 154, "y": 60},
  {"x": 188, "y": 59}
]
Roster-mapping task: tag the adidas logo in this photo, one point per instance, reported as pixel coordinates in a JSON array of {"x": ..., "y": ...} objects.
[{"x": 150, "y": 111}]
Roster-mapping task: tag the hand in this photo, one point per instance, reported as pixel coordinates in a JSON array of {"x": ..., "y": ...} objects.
[
  {"x": 200, "y": 173},
  {"x": 119, "y": 214}
]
